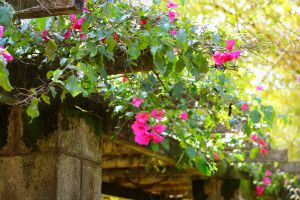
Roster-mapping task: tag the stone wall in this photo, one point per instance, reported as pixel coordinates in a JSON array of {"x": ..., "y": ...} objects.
[{"x": 64, "y": 164}]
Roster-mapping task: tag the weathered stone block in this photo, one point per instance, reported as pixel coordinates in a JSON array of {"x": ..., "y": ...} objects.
[
  {"x": 80, "y": 140},
  {"x": 68, "y": 178},
  {"x": 28, "y": 177},
  {"x": 91, "y": 181}
]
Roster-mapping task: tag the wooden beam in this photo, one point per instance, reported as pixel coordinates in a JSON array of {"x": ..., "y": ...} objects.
[
  {"x": 142, "y": 150},
  {"x": 120, "y": 191},
  {"x": 44, "y": 8}
]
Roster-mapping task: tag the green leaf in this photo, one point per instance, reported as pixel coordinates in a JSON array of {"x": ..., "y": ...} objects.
[
  {"x": 255, "y": 116},
  {"x": 170, "y": 54},
  {"x": 201, "y": 63},
  {"x": 155, "y": 147},
  {"x": 181, "y": 36},
  {"x": 159, "y": 63},
  {"x": 4, "y": 77},
  {"x": 203, "y": 166},
  {"x": 166, "y": 144},
  {"x": 179, "y": 65},
  {"x": 178, "y": 89},
  {"x": 134, "y": 51},
  {"x": 50, "y": 49},
  {"x": 190, "y": 152},
  {"x": 41, "y": 23},
  {"x": 144, "y": 39},
  {"x": 6, "y": 15},
  {"x": 73, "y": 86},
  {"x": 253, "y": 153},
  {"x": 33, "y": 110},
  {"x": 46, "y": 99}
]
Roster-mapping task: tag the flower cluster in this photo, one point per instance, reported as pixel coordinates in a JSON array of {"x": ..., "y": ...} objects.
[
  {"x": 142, "y": 128},
  {"x": 172, "y": 14},
  {"x": 222, "y": 57},
  {"x": 261, "y": 143},
  {"x": 266, "y": 182}
]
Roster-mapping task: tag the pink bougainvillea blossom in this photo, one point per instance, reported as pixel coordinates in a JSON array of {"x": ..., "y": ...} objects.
[
  {"x": 298, "y": 79},
  {"x": 77, "y": 25},
  {"x": 267, "y": 181},
  {"x": 173, "y": 32},
  {"x": 260, "y": 88},
  {"x": 159, "y": 128},
  {"x": 263, "y": 151},
  {"x": 45, "y": 35},
  {"x": 137, "y": 102},
  {"x": 143, "y": 139},
  {"x": 82, "y": 36},
  {"x": 67, "y": 34},
  {"x": 125, "y": 79},
  {"x": 260, "y": 190},
  {"x": 142, "y": 117},
  {"x": 1, "y": 31},
  {"x": 254, "y": 137},
  {"x": 171, "y": 4},
  {"x": 184, "y": 115},
  {"x": 220, "y": 57},
  {"x": 230, "y": 44},
  {"x": 116, "y": 37},
  {"x": 245, "y": 107},
  {"x": 268, "y": 173},
  {"x": 143, "y": 22},
  {"x": 138, "y": 128},
  {"x": 7, "y": 56},
  {"x": 156, "y": 114},
  {"x": 72, "y": 18},
  {"x": 172, "y": 15},
  {"x": 216, "y": 156},
  {"x": 261, "y": 142},
  {"x": 156, "y": 138}
]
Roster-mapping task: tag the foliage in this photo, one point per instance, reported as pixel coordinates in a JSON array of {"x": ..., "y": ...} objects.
[{"x": 194, "y": 73}]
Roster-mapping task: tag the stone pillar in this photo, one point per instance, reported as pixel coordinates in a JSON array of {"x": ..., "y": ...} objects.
[{"x": 57, "y": 156}]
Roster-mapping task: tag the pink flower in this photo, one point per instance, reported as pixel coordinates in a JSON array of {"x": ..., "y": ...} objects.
[
  {"x": 245, "y": 107},
  {"x": 230, "y": 44},
  {"x": 7, "y": 56},
  {"x": 259, "y": 190},
  {"x": 45, "y": 35},
  {"x": 172, "y": 15},
  {"x": 143, "y": 139},
  {"x": 184, "y": 115},
  {"x": 72, "y": 18},
  {"x": 125, "y": 79},
  {"x": 143, "y": 22},
  {"x": 216, "y": 156},
  {"x": 156, "y": 114},
  {"x": 173, "y": 32},
  {"x": 82, "y": 36},
  {"x": 267, "y": 181},
  {"x": 260, "y": 88},
  {"x": 170, "y": 4},
  {"x": 1, "y": 31},
  {"x": 137, "y": 102},
  {"x": 268, "y": 173},
  {"x": 156, "y": 138},
  {"x": 68, "y": 34},
  {"x": 139, "y": 128},
  {"x": 254, "y": 137},
  {"x": 78, "y": 24},
  {"x": 116, "y": 37},
  {"x": 236, "y": 54},
  {"x": 261, "y": 142},
  {"x": 142, "y": 117},
  {"x": 159, "y": 128},
  {"x": 218, "y": 58},
  {"x": 263, "y": 151}
]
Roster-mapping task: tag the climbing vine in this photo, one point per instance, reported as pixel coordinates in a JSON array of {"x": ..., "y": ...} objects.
[{"x": 185, "y": 92}]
